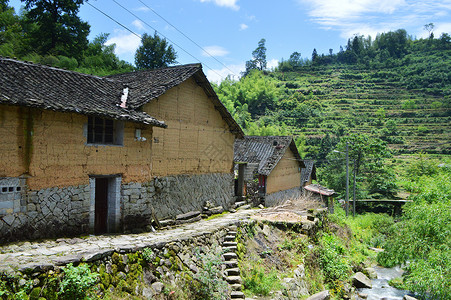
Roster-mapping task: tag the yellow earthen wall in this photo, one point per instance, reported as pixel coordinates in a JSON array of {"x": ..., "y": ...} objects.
[
  {"x": 59, "y": 155},
  {"x": 197, "y": 140},
  {"x": 286, "y": 175}
]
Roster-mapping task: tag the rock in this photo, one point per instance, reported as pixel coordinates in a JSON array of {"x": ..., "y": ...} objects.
[
  {"x": 149, "y": 277},
  {"x": 189, "y": 215},
  {"x": 359, "y": 280},
  {"x": 158, "y": 287},
  {"x": 370, "y": 272},
  {"x": 266, "y": 230},
  {"x": 148, "y": 293},
  {"x": 407, "y": 297},
  {"x": 324, "y": 295},
  {"x": 363, "y": 296}
]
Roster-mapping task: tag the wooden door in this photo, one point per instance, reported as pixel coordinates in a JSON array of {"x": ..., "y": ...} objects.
[{"x": 101, "y": 206}]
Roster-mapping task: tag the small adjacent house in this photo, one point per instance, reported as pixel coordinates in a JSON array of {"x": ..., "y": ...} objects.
[
  {"x": 275, "y": 162},
  {"x": 84, "y": 154},
  {"x": 308, "y": 174}
]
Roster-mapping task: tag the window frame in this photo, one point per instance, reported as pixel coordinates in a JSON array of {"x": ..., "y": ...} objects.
[{"x": 103, "y": 131}]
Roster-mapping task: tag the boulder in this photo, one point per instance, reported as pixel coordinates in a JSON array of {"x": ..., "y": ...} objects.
[
  {"x": 407, "y": 297},
  {"x": 370, "y": 272},
  {"x": 158, "y": 287},
  {"x": 324, "y": 295},
  {"x": 359, "y": 280}
]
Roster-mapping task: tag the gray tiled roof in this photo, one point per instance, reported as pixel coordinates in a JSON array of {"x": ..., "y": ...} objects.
[
  {"x": 264, "y": 150},
  {"x": 147, "y": 85},
  {"x": 33, "y": 85},
  {"x": 308, "y": 172}
]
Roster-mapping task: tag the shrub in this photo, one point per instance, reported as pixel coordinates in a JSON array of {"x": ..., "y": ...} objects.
[
  {"x": 77, "y": 282},
  {"x": 260, "y": 282},
  {"x": 210, "y": 283}
]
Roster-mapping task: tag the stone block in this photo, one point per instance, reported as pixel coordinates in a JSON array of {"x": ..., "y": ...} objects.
[{"x": 9, "y": 219}]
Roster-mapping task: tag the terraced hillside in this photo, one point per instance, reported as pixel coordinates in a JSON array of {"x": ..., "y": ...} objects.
[{"x": 368, "y": 102}]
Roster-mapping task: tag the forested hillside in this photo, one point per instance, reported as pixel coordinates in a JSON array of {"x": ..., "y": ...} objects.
[{"x": 394, "y": 88}]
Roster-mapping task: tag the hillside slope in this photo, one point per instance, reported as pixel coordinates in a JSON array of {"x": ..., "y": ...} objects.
[{"x": 369, "y": 101}]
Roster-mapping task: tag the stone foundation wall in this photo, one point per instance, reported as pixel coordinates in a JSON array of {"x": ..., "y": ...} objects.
[
  {"x": 49, "y": 212},
  {"x": 173, "y": 195},
  {"x": 69, "y": 211},
  {"x": 278, "y": 198}
]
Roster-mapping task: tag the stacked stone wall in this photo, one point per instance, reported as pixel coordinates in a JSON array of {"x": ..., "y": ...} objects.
[
  {"x": 173, "y": 195},
  {"x": 56, "y": 212},
  {"x": 278, "y": 198}
]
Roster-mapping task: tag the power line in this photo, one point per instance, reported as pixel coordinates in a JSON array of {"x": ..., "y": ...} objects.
[
  {"x": 187, "y": 37},
  {"x": 130, "y": 12},
  {"x": 111, "y": 18}
]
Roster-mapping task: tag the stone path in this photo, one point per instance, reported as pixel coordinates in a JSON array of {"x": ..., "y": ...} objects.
[{"x": 36, "y": 256}]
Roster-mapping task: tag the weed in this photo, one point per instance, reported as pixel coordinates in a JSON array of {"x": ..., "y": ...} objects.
[
  {"x": 148, "y": 255},
  {"x": 210, "y": 283},
  {"x": 77, "y": 282}
]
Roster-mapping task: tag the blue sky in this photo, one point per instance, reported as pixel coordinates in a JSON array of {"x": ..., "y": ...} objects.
[{"x": 230, "y": 30}]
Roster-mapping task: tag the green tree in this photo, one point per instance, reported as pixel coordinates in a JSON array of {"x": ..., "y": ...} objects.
[
  {"x": 314, "y": 55},
  {"x": 258, "y": 61},
  {"x": 295, "y": 59},
  {"x": 430, "y": 29},
  {"x": 59, "y": 30},
  {"x": 154, "y": 53}
]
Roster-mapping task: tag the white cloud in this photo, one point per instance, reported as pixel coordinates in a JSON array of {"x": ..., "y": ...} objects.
[
  {"x": 224, "y": 3},
  {"x": 138, "y": 24},
  {"x": 369, "y": 17},
  {"x": 126, "y": 43},
  {"x": 214, "y": 51},
  {"x": 142, "y": 8},
  {"x": 271, "y": 64},
  {"x": 243, "y": 27},
  {"x": 218, "y": 75}
]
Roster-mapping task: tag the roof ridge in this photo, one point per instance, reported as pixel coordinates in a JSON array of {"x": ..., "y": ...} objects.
[
  {"x": 38, "y": 65},
  {"x": 192, "y": 65}
]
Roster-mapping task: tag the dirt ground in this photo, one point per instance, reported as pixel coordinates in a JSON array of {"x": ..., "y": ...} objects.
[{"x": 291, "y": 211}]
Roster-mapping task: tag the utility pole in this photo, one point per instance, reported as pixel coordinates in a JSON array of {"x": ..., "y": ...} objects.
[{"x": 347, "y": 179}]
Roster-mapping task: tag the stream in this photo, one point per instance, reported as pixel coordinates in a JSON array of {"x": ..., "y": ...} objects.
[{"x": 381, "y": 289}]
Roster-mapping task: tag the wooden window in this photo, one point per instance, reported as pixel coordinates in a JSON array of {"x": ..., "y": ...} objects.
[{"x": 103, "y": 131}]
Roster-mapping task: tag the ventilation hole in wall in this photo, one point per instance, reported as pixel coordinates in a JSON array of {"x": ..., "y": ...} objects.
[
  {"x": 4, "y": 189},
  {"x": 18, "y": 189},
  {"x": 11, "y": 189}
]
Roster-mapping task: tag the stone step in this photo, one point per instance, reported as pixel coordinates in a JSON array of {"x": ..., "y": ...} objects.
[
  {"x": 231, "y": 264},
  {"x": 233, "y": 227},
  {"x": 229, "y": 256},
  {"x": 239, "y": 203},
  {"x": 237, "y": 295},
  {"x": 229, "y": 249},
  {"x": 234, "y": 279},
  {"x": 187, "y": 216},
  {"x": 229, "y": 238},
  {"x": 229, "y": 244},
  {"x": 236, "y": 287},
  {"x": 231, "y": 233},
  {"x": 233, "y": 272}
]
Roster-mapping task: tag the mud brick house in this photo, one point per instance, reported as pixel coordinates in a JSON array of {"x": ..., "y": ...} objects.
[
  {"x": 84, "y": 154},
  {"x": 275, "y": 161},
  {"x": 192, "y": 159}
]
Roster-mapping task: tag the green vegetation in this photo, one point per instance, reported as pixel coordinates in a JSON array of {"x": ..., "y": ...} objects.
[
  {"x": 392, "y": 87},
  {"x": 77, "y": 282},
  {"x": 53, "y": 34},
  {"x": 423, "y": 234}
]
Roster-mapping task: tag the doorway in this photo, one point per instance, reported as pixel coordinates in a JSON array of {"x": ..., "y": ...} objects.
[
  {"x": 105, "y": 211},
  {"x": 101, "y": 206}
]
